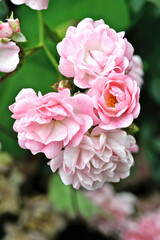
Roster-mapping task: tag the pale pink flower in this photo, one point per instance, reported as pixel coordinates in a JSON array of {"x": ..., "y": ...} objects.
[
  {"x": 6, "y": 30},
  {"x": 110, "y": 202},
  {"x": 145, "y": 228},
  {"x": 14, "y": 23},
  {"x": 9, "y": 57},
  {"x": 50, "y": 122},
  {"x": 117, "y": 207},
  {"x": 137, "y": 70},
  {"x": 116, "y": 99},
  {"x": 101, "y": 157},
  {"x": 93, "y": 49},
  {"x": 34, "y": 4}
]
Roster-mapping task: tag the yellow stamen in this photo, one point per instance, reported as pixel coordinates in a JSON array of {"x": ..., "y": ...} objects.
[{"x": 111, "y": 101}]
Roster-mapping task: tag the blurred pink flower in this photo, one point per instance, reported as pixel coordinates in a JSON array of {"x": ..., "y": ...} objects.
[
  {"x": 116, "y": 99},
  {"x": 34, "y": 4},
  {"x": 9, "y": 58},
  {"x": 101, "y": 157},
  {"x": 109, "y": 201},
  {"x": 137, "y": 70},
  {"x": 145, "y": 228},
  {"x": 117, "y": 207},
  {"x": 50, "y": 122},
  {"x": 93, "y": 49}
]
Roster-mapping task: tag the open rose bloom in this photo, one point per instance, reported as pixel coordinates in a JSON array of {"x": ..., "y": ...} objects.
[
  {"x": 48, "y": 123},
  {"x": 100, "y": 157},
  {"x": 116, "y": 99},
  {"x": 34, "y": 4},
  {"x": 93, "y": 49},
  {"x": 82, "y": 135}
]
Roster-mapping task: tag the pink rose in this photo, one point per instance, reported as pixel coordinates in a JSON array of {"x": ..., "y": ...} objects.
[
  {"x": 14, "y": 23},
  {"x": 50, "y": 122},
  {"x": 93, "y": 49},
  {"x": 9, "y": 57},
  {"x": 8, "y": 28},
  {"x": 145, "y": 228},
  {"x": 34, "y": 4},
  {"x": 101, "y": 157},
  {"x": 5, "y": 30},
  {"x": 137, "y": 70},
  {"x": 116, "y": 99}
]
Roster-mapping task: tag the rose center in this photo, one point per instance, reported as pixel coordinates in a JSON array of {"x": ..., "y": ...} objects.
[{"x": 111, "y": 101}]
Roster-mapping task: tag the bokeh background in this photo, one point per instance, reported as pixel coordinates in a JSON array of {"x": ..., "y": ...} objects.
[{"x": 27, "y": 186}]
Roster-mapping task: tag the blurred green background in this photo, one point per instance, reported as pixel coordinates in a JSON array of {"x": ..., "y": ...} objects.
[{"x": 140, "y": 19}]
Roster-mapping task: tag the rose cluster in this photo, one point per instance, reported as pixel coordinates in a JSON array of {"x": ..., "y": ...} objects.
[
  {"x": 82, "y": 134},
  {"x": 10, "y": 34}
]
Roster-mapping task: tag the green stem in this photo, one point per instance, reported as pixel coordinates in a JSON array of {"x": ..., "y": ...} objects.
[
  {"x": 41, "y": 27},
  {"x": 42, "y": 43},
  {"x": 32, "y": 50},
  {"x": 51, "y": 58}
]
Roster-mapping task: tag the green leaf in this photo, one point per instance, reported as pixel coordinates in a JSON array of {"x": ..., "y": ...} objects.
[
  {"x": 52, "y": 34},
  {"x": 156, "y": 144},
  {"x": 156, "y": 2},
  {"x": 114, "y": 12},
  {"x": 137, "y": 6},
  {"x": 18, "y": 37},
  {"x": 155, "y": 88},
  {"x": 68, "y": 200},
  {"x": 3, "y": 10}
]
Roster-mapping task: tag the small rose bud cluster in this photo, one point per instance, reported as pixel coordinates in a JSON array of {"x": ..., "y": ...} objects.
[
  {"x": 34, "y": 4},
  {"x": 82, "y": 134},
  {"x": 10, "y": 34}
]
